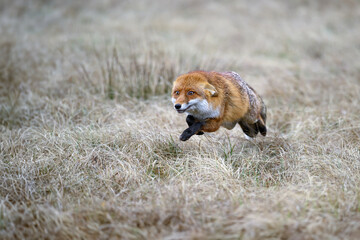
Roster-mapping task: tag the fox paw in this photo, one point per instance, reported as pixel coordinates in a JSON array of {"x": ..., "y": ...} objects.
[
  {"x": 186, "y": 135},
  {"x": 200, "y": 133}
]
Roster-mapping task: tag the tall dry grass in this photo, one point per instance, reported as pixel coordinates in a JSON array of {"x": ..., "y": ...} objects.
[{"x": 89, "y": 143}]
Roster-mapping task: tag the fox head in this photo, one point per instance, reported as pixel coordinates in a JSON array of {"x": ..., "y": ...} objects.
[{"x": 191, "y": 93}]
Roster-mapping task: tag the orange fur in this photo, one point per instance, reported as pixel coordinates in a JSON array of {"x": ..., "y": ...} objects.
[{"x": 228, "y": 96}]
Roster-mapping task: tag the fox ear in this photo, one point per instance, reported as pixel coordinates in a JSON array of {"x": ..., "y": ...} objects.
[{"x": 211, "y": 89}]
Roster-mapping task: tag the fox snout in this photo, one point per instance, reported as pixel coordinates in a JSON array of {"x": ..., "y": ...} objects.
[{"x": 180, "y": 108}]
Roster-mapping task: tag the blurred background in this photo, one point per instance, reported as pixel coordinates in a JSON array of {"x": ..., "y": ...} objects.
[{"x": 148, "y": 43}]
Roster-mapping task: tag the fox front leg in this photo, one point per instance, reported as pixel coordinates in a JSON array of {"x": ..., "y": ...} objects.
[
  {"x": 189, "y": 132},
  {"x": 190, "y": 120},
  {"x": 211, "y": 125}
]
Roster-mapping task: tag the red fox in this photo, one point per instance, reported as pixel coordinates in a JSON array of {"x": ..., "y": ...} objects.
[{"x": 214, "y": 99}]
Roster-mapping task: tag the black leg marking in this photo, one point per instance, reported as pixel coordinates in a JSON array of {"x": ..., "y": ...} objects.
[
  {"x": 249, "y": 129},
  {"x": 262, "y": 128},
  {"x": 261, "y": 124},
  {"x": 189, "y": 132},
  {"x": 190, "y": 120}
]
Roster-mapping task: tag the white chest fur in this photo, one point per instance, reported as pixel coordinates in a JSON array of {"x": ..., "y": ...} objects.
[{"x": 201, "y": 109}]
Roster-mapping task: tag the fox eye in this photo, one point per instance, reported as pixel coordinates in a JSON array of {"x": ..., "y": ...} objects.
[
  {"x": 190, "y": 92},
  {"x": 177, "y": 92}
]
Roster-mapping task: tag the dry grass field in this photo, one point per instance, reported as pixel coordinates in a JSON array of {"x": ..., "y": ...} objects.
[{"x": 89, "y": 144}]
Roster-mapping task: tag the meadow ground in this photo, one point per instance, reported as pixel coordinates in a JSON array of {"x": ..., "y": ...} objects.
[{"x": 89, "y": 140}]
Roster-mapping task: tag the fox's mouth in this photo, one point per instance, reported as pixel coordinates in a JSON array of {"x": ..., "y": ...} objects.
[{"x": 183, "y": 110}]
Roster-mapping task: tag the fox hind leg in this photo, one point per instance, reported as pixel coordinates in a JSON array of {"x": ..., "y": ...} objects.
[
  {"x": 263, "y": 112},
  {"x": 262, "y": 121},
  {"x": 249, "y": 129},
  {"x": 261, "y": 126}
]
